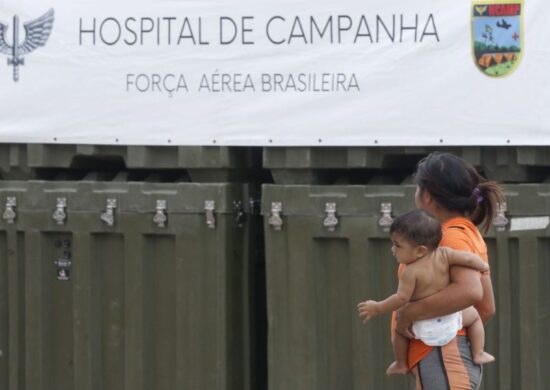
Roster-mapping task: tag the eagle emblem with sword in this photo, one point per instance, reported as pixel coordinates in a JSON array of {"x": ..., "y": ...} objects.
[{"x": 37, "y": 34}]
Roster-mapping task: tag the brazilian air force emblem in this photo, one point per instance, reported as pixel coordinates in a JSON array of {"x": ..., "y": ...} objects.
[
  {"x": 497, "y": 35},
  {"x": 37, "y": 32}
]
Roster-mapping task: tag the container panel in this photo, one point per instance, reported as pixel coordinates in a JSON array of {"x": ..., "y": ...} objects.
[
  {"x": 504, "y": 257},
  {"x": 379, "y": 268},
  {"x": 108, "y": 256},
  {"x": 17, "y": 316},
  {"x": 159, "y": 292},
  {"x": 334, "y": 347},
  {"x": 13, "y": 162},
  {"x": 543, "y": 309},
  {"x": 4, "y": 311}
]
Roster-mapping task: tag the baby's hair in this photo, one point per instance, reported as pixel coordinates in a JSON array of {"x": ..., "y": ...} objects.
[{"x": 418, "y": 227}]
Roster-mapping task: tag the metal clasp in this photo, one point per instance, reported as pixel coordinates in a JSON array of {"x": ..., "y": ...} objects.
[
  {"x": 330, "y": 221},
  {"x": 59, "y": 214},
  {"x": 255, "y": 206},
  {"x": 109, "y": 215},
  {"x": 160, "y": 217},
  {"x": 209, "y": 207},
  {"x": 500, "y": 221},
  {"x": 275, "y": 220},
  {"x": 240, "y": 219},
  {"x": 9, "y": 213},
  {"x": 386, "y": 220}
]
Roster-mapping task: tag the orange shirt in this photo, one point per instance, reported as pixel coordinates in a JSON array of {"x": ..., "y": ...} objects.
[{"x": 461, "y": 234}]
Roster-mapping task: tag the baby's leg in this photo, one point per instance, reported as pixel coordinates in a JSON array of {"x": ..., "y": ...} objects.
[
  {"x": 400, "y": 351},
  {"x": 476, "y": 333}
]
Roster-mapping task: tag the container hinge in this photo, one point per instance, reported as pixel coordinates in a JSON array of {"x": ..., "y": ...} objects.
[
  {"x": 330, "y": 221},
  {"x": 109, "y": 215},
  {"x": 59, "y": 215},
  {"x": 209, "y": 207},
  {"x": 386, "y": 220},
  {"x": 160, "y": 217},
  {"x": 240, "y": 218},
  {"x": 275, "y": 220},
  {"x": 500, "y": 221},
  {"x": 9, "y": 213}
]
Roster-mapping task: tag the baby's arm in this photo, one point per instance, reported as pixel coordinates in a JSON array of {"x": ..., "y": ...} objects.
[
  {"x": 370, "y": 309},
  {"x": 466, "y": 259}
]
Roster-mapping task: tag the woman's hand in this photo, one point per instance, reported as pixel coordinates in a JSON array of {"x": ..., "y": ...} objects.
[{"x": 486, "y": 308}]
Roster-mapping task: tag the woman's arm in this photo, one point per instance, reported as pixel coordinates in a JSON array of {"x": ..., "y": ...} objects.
[
  {"x": 465, "y": 259},
  {"x": 486, "y": 307},
  {"x": 464, "y": 290}
]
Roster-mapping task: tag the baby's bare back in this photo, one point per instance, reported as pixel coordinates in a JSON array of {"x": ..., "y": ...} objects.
[{"x": 431, "y": 274}]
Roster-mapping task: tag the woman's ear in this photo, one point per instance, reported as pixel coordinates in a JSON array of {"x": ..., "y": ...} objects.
[
  {"x": 429, "y": 203},
  {"x": 427, "y": 198}
]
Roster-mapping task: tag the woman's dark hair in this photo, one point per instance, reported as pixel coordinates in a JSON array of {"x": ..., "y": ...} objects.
[
  {"x": 457, "y": 186},
  {"x": 418, "y": 227}
]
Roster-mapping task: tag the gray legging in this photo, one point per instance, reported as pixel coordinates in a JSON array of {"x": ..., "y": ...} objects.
[{"x": 449, "y": 368}]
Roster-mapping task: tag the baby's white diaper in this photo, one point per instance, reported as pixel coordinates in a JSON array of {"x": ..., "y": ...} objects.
[{"x": 438, "y": 331}]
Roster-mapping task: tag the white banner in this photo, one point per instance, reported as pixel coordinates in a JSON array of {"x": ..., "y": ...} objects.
[{"x": 286, "y": 72}]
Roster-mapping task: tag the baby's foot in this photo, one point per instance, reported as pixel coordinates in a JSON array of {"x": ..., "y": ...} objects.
[
  {"x": 397, "y": 368},
  {"x": 483, "y": 358}
]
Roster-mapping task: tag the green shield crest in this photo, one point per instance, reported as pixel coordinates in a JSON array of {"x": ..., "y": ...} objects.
[{"x": 497, "y": 36}]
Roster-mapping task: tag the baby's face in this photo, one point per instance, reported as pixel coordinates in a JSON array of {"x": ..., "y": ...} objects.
[{"x": 403, "y": 250}]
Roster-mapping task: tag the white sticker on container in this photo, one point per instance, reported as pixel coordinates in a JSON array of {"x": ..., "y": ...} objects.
[{"x": 529, "y": 223}]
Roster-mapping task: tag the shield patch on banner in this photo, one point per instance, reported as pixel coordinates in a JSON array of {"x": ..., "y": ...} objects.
[{"x": 497, "y": 36}]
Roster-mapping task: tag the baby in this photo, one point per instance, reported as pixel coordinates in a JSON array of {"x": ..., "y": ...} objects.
[{"x": 415, "y": 236}]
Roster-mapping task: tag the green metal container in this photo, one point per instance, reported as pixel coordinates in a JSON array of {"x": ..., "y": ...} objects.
[
  {"x": 391, "y": 165},
  {"x": 114, "y": 285},
  {"x": 519, "y": 334},
  {"x": 207, "y": 164},
  {"x": 328, "y": 248}
]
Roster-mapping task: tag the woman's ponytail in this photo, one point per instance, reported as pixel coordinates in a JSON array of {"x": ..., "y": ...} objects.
[{"x": 491, "y": 195}]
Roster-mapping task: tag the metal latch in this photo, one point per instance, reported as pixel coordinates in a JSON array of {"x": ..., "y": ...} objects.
[
  {"x": 9, "y": 213},
  {"x": 500, "y": 221},
  {"x": 240, "y": 219},
  {"x": 330, "y": 221},
  {"x": 109, "y": 215},
  {"x": 386, "y": 220},
  {"x": 160, "y": 217},
  {"x": 275, "y": 220},
  {"x": 209, "y": 207},
  {"x": 59, "y": 214},
  {"x": 255, "y": 206}
]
